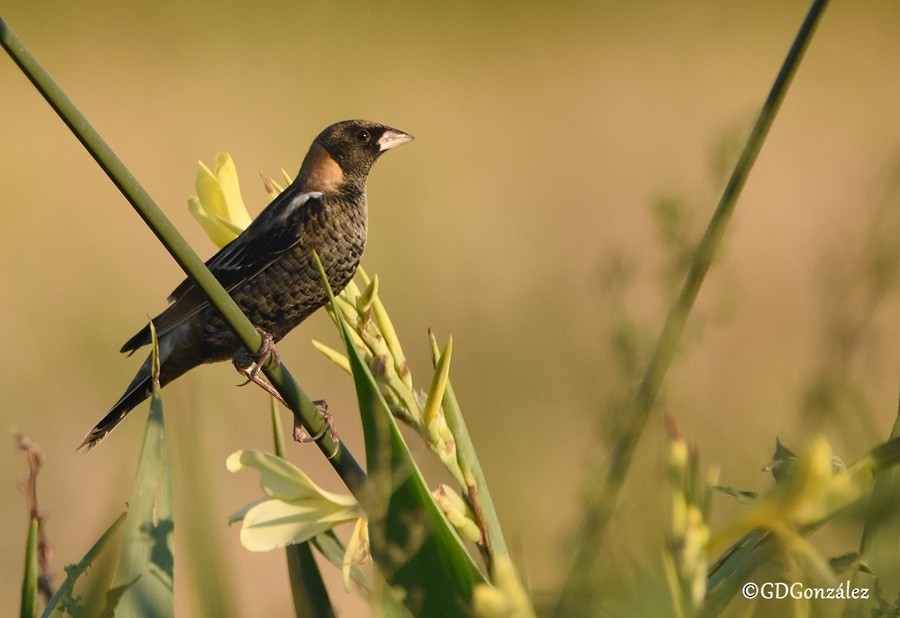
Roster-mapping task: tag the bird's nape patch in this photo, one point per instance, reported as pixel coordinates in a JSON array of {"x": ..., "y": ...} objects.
[{"x": 320, "y": 172}]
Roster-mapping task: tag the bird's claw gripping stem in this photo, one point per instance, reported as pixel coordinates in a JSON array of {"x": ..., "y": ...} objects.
[
  {"x": 249, "y": 365},
  {"x": 302, "y": 436}
]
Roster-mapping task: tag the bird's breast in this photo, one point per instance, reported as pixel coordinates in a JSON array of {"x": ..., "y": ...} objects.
[{"x": 290, "y": 288}]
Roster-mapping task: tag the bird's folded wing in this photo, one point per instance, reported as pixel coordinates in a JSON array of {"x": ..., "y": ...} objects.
[{"x": 268, "y": 236}]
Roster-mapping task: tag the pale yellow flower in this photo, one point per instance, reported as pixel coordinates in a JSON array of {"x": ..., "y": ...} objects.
[
  {"x": 218, "y": 205},
  {"x": 294, "y": 509}
]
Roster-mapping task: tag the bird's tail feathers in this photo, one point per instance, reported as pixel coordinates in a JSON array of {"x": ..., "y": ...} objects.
[
  {"x": 140, "y": 339},
  {"x": 139, "y": 389}
]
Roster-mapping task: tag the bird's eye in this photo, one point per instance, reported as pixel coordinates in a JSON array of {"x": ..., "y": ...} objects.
[{"x": 363, "y": 136}]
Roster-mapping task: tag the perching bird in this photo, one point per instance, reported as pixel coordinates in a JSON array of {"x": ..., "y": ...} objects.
[{"x": 269, "y": 269}]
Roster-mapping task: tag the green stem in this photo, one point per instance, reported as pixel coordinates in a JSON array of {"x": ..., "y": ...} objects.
[
  {"x": 594, "y": 527},
  {"x": 177, "y": 246}
]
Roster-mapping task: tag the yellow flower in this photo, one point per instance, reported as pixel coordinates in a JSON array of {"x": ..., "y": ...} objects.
[
  {"x": 812, "y": 491},
  {"x": 219, "y": 208},
  {"x": 294, "y": 509}
]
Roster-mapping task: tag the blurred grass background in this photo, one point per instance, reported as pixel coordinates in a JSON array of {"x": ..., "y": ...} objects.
[{"x": 545, "y": 135}]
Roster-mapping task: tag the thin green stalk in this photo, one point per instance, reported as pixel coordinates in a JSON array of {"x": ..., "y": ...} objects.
[
  {"x": 342, "y": 460},
  {"x": 588, "y": 553}
]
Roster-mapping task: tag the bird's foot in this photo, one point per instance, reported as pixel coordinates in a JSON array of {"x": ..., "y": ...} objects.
[
  {"x": 260, "y": 380},
  {"x": 267, "y": 356},
  {"x": 302, "y": 436},
  {"x": 249, "y": 365}
]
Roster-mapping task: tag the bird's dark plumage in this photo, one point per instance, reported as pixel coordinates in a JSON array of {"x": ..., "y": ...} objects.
[{"x": 268, "y": 269}]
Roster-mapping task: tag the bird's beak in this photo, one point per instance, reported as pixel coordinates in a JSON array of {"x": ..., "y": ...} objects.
[{"x": 393, "y": 138}]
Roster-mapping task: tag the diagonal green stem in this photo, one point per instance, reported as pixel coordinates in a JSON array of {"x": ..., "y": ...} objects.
[
  {"x": 638, "y": 411},
  {"x": 177, "y": 246}
]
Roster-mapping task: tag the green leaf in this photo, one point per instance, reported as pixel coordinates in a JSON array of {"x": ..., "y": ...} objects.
[
  {"x": 471, "y": 469},
  {"x": 63, "y": 596},
  {"x": 144, "y": 581},
  {"x": 878, "y": 548},
  {"x": 414, "y": 546},
  {"x": 28, "y": 607},
  {"x": 307, "y": 588}
]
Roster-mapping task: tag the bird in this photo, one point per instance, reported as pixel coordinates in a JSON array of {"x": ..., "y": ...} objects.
[{"x": 269, "y": 269}]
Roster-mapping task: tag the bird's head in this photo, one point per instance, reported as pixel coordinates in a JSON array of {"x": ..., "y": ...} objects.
[{"x": 345, "y": 152}]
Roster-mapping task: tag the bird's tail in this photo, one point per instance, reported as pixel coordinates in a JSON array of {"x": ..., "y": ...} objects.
[
  {"x": 177, "y": 355},
  {"x": 139, "y": 389}
]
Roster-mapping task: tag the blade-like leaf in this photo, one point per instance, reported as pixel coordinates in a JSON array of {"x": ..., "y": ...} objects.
[
  {"x": 28, "y": 606},
  {"x": 878, "y": 547},
  {"x": 144, "y": 581},
  {"x": 63, "y": 596},
  {"x": 413, "y": 544},
  {"x": 307, "y": 588}
]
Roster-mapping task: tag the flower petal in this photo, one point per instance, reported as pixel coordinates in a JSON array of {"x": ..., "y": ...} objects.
[
  {"x": 281, "y": 479},
  {"x": 272, "y": 523},
  {"x": 357, "y": 550},
  {"x": 234, "y": 212}
]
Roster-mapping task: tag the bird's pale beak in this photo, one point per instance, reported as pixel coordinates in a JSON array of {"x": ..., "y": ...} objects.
[{"x": 393, "y": 138}]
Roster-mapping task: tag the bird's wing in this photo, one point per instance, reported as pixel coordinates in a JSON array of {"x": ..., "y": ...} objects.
[{"x": 267, "y": 237}]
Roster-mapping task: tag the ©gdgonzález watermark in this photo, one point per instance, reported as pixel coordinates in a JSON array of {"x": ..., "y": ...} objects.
[{"x": 799, "y": 590}]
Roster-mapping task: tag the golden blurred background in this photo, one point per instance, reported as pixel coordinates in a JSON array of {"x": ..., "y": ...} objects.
[{"x": 545, "y": 134}]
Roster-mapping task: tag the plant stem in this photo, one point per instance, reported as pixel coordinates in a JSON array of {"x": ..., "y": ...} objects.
[{"x": 588, "y": 553}]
